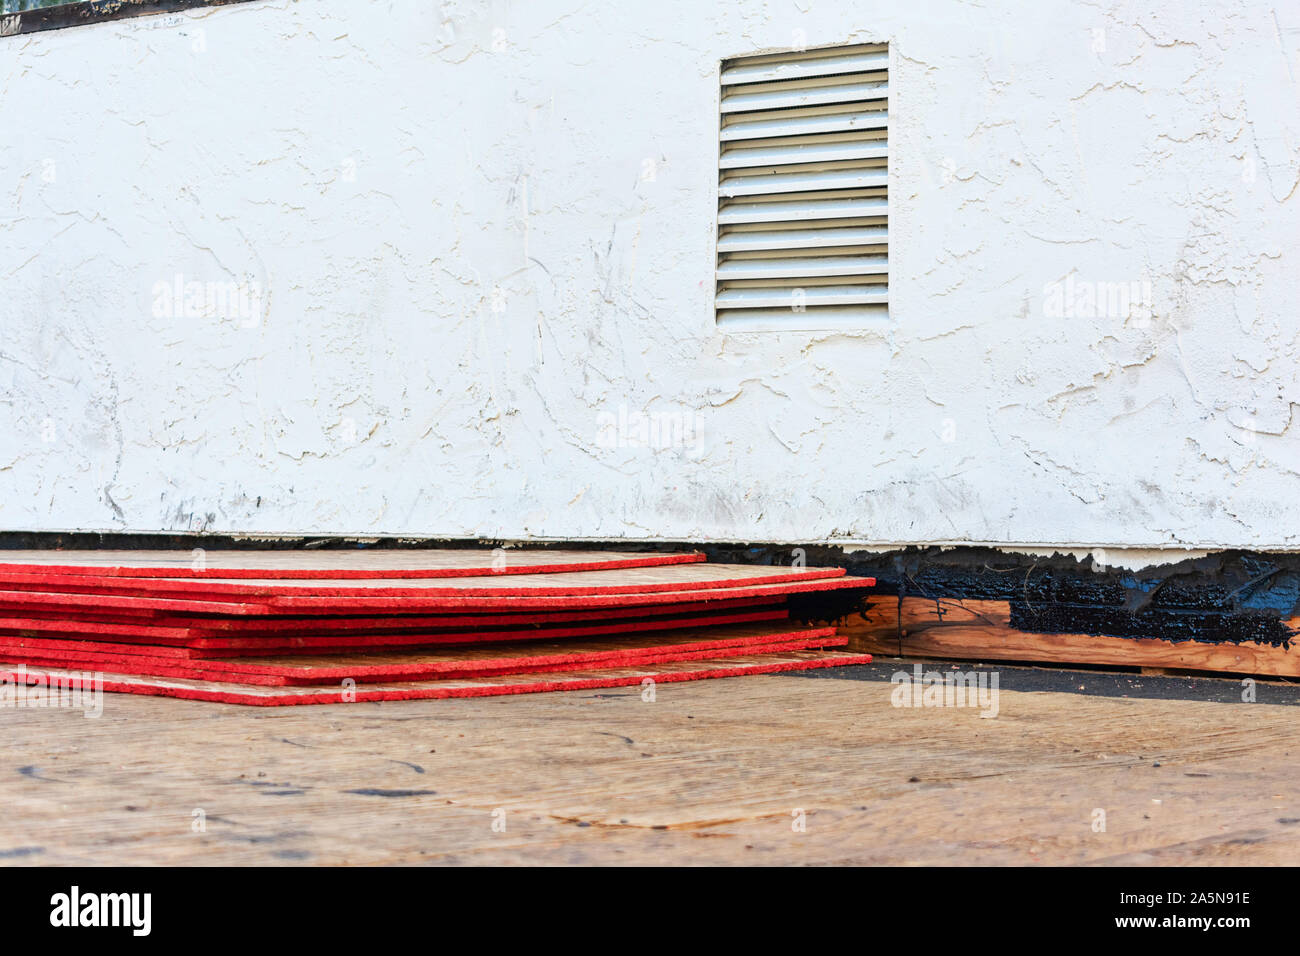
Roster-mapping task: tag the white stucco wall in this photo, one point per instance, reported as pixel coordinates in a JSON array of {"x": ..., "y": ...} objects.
[{"x": 376, "y": 170}]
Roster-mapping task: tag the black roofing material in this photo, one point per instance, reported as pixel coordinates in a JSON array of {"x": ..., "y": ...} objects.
[{"x": 1231, "y": 596}]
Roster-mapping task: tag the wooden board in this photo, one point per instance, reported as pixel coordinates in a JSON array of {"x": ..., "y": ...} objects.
[
  {"x": 90, "y": 621},
  {"x": 21, "y": 599},
  {"x": 338, "y": 564},
  {"x": 160, "y": 643},
  {"x": 233, "y": 693},
  {"x": 981, "y": 630},
  {"x": 478, "y": 661},
  {"x": 331, "y": 605},
  {"x": 709, "y": 773},
  {"x": 644, "y": 580}
]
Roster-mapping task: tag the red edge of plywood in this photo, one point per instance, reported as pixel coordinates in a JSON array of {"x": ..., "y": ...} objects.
[
  {"x": 464, "y": 670},
  {"x": 148, "y": 622},
  {"x": 329, "y": 605},
  {"x": 364, "y": 696},
  {"x": 202, "y": 648},
  {"x": 148, "y": 655},
  {"x": 218, "y": 590}
]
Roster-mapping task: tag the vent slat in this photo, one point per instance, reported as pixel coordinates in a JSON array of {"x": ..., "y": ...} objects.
[
  {"x": 804, "y": 96},
  {"x": 804, "y": 153},
  {"x": 814, "y": 181},
  {"x": 801, "y": 124},
  {"x": 803, "y": 233},
  {"x": 795, "y": 67},
  {"x": 732, "y": 213},
  {"x": 799, "y": 266},
  {"x": 876, "y": 280},
  {"x": 803, "y": 298},
  {"x": 803, "y": 239},
  {"x": 805, "y": 225}
]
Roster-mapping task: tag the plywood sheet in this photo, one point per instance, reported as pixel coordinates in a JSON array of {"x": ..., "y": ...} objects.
[
  {"x": 679, "y": 577},
  {"x": 161, "y": 642},
  {"x": 478, "y": 661},
  {"x": 501, "y": 601},
  {"x": 91, "y": 620},
  {"x": 234, "y": 693},
  {"x": 338, "y": 564}
]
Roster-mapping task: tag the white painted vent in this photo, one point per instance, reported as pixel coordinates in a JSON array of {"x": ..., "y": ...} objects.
[{"x": 803, "y": 240}]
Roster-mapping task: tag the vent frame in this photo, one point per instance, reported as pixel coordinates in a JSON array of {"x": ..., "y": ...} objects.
[{"x": 852, "y": 193}]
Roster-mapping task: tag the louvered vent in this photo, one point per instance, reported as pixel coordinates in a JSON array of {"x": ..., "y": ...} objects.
[{"x": 802, "y": 201}]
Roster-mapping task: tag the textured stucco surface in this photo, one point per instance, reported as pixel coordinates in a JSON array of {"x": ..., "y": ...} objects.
[{"x": 482, "y": 232}]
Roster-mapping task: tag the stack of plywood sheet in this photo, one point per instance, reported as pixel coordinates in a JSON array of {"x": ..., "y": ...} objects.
[{"x": 305, "y": 627}]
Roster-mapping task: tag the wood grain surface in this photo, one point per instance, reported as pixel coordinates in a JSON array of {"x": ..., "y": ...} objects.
[
  {"x": 711, "y": 772},
  {"x": 981, "y": 630}
]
